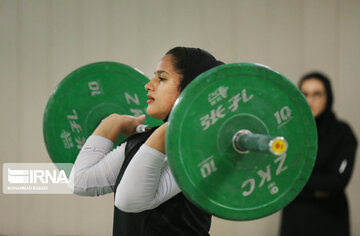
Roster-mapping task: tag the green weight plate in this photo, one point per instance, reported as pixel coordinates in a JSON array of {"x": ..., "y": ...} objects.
[
  {"x": 85, "y": 97},
  {"x": 206, "y": 116}
]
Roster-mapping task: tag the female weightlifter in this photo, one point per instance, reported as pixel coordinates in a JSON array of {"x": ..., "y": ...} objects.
[{"x": 147, "y": 198}]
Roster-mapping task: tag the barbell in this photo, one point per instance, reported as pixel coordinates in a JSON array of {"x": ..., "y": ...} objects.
[{"x": 241, "y": 139}]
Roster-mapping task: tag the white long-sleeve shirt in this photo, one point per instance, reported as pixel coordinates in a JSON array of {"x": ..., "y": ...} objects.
[{"x": 146, "y": 183}]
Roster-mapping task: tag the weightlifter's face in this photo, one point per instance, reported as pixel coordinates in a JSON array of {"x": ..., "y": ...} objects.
[
  {"x": 163, "y": 89},
  {"x": 315, "y": 93}
]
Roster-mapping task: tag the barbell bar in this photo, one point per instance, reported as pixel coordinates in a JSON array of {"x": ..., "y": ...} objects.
[{"x": 245, "y": 141}]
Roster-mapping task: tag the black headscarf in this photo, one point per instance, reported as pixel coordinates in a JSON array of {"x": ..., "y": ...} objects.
[
  {"x": 197, "y": 62},
  {"x": 327, "y": 129},
  {"x": 327, "y": 114},
  {"x": 191, "y": 62}
]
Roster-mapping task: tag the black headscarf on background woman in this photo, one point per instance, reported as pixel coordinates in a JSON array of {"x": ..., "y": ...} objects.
[
  {"x": 327, "y": 113},
  {"x": 327, "y": 118},
  {"x": 325, "y": 122}
]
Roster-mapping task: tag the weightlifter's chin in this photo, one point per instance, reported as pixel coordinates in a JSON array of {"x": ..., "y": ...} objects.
[{"x": 153, "y": 114}]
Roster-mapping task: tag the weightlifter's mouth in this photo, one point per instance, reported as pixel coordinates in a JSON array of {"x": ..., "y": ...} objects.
[{"x": 150, "y": 99}]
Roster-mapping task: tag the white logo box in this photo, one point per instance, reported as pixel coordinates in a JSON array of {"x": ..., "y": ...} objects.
[{"x": 36, "y": 178}]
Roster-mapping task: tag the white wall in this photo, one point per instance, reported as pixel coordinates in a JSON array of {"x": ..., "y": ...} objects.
[{"x": 42, "y": 41}]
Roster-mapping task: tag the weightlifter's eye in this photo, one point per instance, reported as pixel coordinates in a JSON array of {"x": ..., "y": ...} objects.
[{"x": 162, "y": 79}]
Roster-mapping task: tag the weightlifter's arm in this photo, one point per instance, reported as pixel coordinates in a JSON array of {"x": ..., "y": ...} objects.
[
  {"x": 115, "y": 124},
  {"x": 97, "y": 166},
  {"x": 149, "y": 171},
  {"x": 157, "y": 139},
  {"x": 146, "y": 183}
]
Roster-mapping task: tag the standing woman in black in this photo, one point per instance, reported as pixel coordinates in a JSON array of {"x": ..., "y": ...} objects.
[{"x": 322, "y": 207}]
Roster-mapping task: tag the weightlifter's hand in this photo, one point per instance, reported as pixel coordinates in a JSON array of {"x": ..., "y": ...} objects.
[{"x": 114, "y": 125}]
